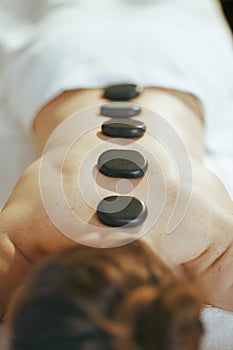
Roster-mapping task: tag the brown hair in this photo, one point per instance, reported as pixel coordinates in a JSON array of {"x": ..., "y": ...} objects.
[{"x": 122, "y": 298}]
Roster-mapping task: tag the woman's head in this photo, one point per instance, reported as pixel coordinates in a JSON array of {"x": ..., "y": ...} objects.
[{"x": 105, "y": 299}]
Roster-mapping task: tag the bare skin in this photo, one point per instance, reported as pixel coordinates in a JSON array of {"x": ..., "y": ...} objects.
[{"x": 201, "y": 244}]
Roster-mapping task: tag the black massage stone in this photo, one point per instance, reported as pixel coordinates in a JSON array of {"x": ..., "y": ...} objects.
[
  {"x": 127, "y": 128},
  {"x": 120, "y": 109},
  {"x": 122, "y": 163},
  {"x": 122, "y": 92},
  {"x": 118, "y": 211}
]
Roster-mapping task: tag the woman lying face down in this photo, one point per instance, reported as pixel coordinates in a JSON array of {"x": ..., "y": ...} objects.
[{"x": 104, "y": 299}]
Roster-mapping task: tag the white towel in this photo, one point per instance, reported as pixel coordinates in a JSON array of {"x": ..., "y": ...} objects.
[{"x": 218, "y": 329}]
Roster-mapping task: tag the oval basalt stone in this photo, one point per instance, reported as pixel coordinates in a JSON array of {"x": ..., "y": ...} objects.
[
  {"x": 127, "y": 128},
  {"x": 117, "y": 211},
  {"x": 122, "y": 92},
  {"x": 122, "y": 163},
  {"x": 120, "y": 109}
]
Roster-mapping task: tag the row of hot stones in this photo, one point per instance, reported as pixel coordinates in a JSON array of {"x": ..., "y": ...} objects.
[{"x": 119, "y": 210}]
